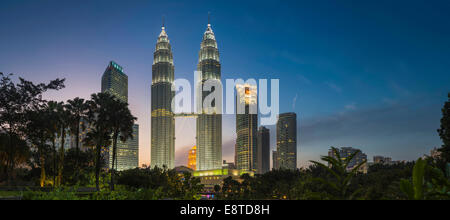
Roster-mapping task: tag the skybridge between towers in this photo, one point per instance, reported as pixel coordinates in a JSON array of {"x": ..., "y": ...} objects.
[{"x": 186, "y": 115}]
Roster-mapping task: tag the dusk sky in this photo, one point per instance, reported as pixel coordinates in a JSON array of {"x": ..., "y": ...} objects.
[{"x": 366, "y": 74}]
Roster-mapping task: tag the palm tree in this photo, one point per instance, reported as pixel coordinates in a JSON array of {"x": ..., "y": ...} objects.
[
  {"x": 52, "y": 127},
  {"x": 121, "y": 124},
  {"x": 77, "y": 114},
  {"x": 338, "y": 170},
  {"x": 63, "y": 124},
  {"x": 77, "y": 108},
  {"x": 99, "y": 135}
]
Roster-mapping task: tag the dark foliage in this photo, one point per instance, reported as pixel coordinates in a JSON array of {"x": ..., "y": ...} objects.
[
  {"x": 169, "y": 183},
  {"x": 444, "y": 131}
]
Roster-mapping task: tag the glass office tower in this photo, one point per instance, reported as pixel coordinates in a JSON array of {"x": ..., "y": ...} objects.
[
  {"x": 287, "y": 141},
  {"x": 263, "y": 150},
  {"x": 246, "y": 127},
  {"x": 115, "y": 82}
]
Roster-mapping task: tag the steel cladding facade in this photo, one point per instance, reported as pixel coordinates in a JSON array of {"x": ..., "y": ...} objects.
[
  {"x": 162, "y": 117},
  {"x": 209, "y": 121}
]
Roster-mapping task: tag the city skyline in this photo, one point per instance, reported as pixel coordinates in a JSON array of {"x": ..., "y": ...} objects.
[{"x": 378, "y": 117}]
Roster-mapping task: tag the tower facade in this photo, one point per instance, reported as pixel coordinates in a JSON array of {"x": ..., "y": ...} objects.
[
  {"x": 246, "y": 127},
  {"x": 115, "y": 82},
  {"x": 209, "y": 121},
  {"x": 263, "y": 150},
  {"x": 275, "y": 160},
  {"x": 287, "y": 141},
  {"x": 162, "y": 119}
]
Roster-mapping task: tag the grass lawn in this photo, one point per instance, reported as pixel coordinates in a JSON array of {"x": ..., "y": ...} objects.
[{"x": 4, "y": 194}]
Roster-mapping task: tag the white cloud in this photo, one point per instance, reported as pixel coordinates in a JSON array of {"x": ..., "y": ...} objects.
[
  {"x": 351, "y": 106},
  {"x": 334, "y": 87},
  {"x": 294, "y": 101}
]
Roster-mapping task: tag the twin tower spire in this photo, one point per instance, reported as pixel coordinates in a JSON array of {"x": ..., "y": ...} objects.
[{"x": 209, "y": 126}]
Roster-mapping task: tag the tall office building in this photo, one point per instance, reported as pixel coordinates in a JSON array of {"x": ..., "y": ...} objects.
[
  {"x": 209, "y": 121},
  {"x": 192, "y": 158},
  {"x": 275, "y": 160},
  {"x": 115, "y": 82},
  {"x": 163, "y": 121},
  {"x": 129, "y": 158},
  {"x": 128, "y": 153},
  {"x": 382, "y": 160},
  {"x": 263, "y": 150},
  {"x": 287, "y": 141},
  {"x": 246, "y": 127}
]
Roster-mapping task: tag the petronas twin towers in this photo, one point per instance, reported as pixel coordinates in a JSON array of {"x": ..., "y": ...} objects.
[
  {"x": 209, "y": 122},
  {"x": 163, "y": 119}
]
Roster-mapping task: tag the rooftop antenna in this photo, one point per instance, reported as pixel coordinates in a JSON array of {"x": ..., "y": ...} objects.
[{"x": 209, "y": 18}]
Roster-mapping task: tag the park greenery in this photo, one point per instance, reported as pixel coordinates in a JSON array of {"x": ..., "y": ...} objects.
[{"x": 34, "y": 164}]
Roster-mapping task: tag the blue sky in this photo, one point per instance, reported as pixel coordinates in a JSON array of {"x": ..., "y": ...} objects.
[{"x": 367, "y": 74}]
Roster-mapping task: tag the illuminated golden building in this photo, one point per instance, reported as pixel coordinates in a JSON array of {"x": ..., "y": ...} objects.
[
  {"x": 192, "y": 158},
  {"x": 246, "y": 127}
]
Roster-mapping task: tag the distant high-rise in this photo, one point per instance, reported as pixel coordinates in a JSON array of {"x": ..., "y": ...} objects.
[
  {"x": 382, "y": 160},
  {"x": 115, "y": 82},
  {"x": 287, "y": 141},
  {"x": 246, "y": 127},
  {"x": 275, "y": 160},
  {"x": 344, "y": 154},
  {"x": 209, "y": 121},
  {"x": 128, "y": 155},
  {"x": 263, "y": 150},
  {"x": 162, "y": 119},
  {"x": 192, "y": 158}
]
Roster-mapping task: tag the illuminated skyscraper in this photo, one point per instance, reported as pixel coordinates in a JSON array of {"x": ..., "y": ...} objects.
[
  {"x": 115, "y": 82},
  {"x": 263, "y": 150},
  {"x": 209, "y": 121},
  {"x": 192, "y": 158},
  {"x": 162, "y": 120},
  {"x": 246, "y": 127},
  {"x": 287, "y": 141},
  {"x": 275, "y": 160},
  {"x": 128, "y": 158}
]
